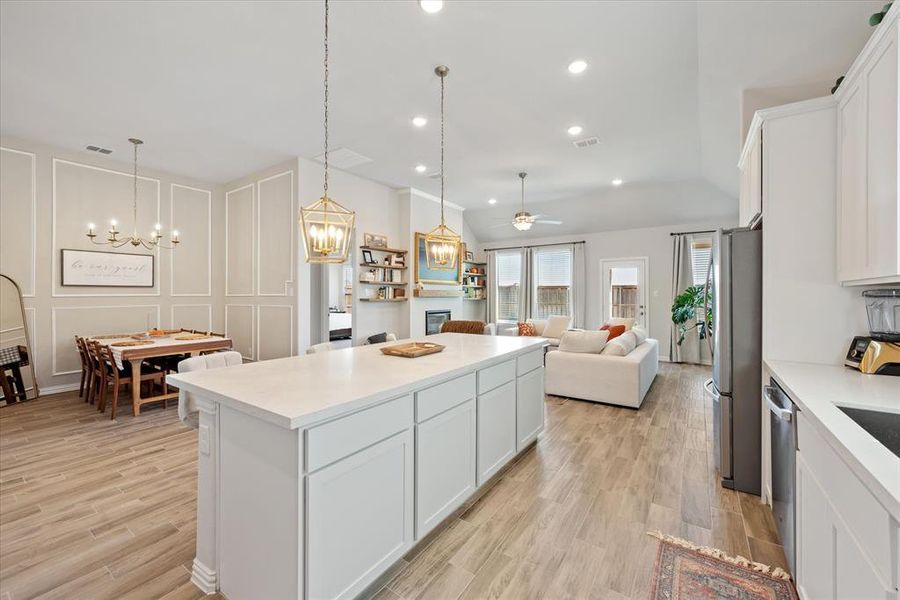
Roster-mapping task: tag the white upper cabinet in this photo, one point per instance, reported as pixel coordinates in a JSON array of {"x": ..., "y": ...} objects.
[
  {"x": 751, "y": 184},
  {"x": 868, "y": 197}
]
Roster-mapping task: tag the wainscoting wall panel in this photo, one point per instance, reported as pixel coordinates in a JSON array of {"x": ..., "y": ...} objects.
[
  {"x": 261, "y": 243},
  {"x": 192, "y": 316},
  {"x": 240, "y": 327},
  {"x": 68, "y": 321},
  {"x": 275, "y": 324},
  {"x": 48, "y": 195},
  {"x": 276, "y": 222},
  {"x": 191, "y": 211},
  {"x": 83, "y": 193},
  {"x": 239, "y": 241},
  {"x": 18, "y": 205}
]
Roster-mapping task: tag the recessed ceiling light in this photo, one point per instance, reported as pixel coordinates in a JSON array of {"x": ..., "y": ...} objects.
[
  {"x": 577, "y": 67},
  {"x": 575, "y": 130},
  {"x": 421, "y": 168},
  {"x": 617, "y": 182},
  {"x": 492, "y": 201},
  {"x": 419, "y": 121},
  {"x": 431, "y": 6}
]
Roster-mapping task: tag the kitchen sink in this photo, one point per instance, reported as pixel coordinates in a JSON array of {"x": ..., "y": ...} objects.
[{"x": 883, "y": 426}]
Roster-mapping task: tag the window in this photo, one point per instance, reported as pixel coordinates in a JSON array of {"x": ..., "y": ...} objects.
[
  {"x": 552, "y": 283},
  {"x": 509, "y": 276},
  {"x": 623, "y": 291},
  {"x": 701, "y": 254}
]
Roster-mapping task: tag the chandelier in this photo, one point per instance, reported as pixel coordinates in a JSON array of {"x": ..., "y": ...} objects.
[
  {"x": 523, "y": 219},
  {"x": 442, "y": 243},
  {"x": 112, "y": 234},
  {"x": 327, "y": 226}
]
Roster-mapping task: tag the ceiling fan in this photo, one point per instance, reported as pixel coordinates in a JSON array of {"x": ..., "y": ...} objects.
[{"x": 523, "y": 220}]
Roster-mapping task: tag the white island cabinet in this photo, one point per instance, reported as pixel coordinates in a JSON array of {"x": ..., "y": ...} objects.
[{"x": 318, "y": 473}]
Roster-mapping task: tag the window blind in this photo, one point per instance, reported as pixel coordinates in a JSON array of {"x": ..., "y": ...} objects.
[
  {"x": 553, "y": 267},
  {"x": 701, "y": 254}
]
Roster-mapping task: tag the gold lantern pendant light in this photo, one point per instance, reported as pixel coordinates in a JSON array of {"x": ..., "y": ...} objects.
[
  {"x": 327, "y": 226},
  {"x": 442, "y": 243}
]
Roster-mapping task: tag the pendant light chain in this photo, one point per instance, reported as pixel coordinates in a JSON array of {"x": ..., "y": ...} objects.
[
  {"x": 442, "y": 149},
  {"x": 325, "y": 194},
  {"x": 327, "y": 226},
  {"x": 134, "y": 202}
]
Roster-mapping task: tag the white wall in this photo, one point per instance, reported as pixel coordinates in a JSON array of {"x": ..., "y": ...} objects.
[
  {"x": 653, "y": 242},
  {"x": 261, "y": 238},
  {"x": 47, "y": 197}
]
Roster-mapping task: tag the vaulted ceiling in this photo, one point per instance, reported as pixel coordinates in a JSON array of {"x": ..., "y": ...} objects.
[{"x": 220, "y": 89}]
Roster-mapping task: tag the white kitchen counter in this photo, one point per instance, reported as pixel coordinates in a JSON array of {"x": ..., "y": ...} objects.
[
  {"x": 301, "y": 390},
  {"x": 818, "y": 390}
]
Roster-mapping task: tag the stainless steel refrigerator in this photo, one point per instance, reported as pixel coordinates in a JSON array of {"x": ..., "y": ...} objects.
[{"x": 736, "y": 385}]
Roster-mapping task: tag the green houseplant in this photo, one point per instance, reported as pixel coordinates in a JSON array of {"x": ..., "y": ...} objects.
[{"x": 686, "y": 308}]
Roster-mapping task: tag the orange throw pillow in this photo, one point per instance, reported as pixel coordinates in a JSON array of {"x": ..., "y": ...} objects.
[
  {"x": 527, "y": 329},
  {"x": 614, "y": 331}
]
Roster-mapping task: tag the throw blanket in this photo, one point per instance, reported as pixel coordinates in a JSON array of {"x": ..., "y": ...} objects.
[{"x": 463, "y": 327}]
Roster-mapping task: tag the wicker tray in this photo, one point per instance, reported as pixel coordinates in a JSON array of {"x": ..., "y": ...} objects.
[
  {"x": 412, "y": 350},
  {"x": 127, "y": 344},
  {"x": 192, "y": 336}
]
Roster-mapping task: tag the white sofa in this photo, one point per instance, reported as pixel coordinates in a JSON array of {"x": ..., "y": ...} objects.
[
  {"x": 557, "y": 326},
  {"x": 620, "y": 380}
]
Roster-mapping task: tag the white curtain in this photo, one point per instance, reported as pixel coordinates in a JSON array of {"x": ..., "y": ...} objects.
[
  {"x": 491, "y": 286},
  {"x": 579, "y": 276},
  {"x": 682, "y": 278}
]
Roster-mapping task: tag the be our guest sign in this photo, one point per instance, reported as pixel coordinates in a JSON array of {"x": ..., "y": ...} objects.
[{"x": 106, "y": 269}]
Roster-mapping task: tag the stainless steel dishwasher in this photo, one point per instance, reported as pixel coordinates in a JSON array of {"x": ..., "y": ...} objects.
[{"x": 783, "y": 421}]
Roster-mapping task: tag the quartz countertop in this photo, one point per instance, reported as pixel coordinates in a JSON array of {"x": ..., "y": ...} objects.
[
  {"x": 818, "y": 390},
  {"x": 302, "y": 390}
]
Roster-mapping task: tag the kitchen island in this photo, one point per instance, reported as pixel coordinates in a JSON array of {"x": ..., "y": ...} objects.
[{"x": 317, "y": 473}]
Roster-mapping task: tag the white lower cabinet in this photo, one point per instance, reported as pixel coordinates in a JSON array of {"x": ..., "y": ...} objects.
[
  {"x": 844, "y": 537},
  {"x": 529, "y": 407},
  {"x": 445, "y": 464},
  {"x": 359, "y": 517},
  {"x": 496, "y": 429}
]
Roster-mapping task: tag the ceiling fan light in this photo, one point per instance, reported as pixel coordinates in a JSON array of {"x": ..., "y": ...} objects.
[{"x": 522, "y": 225}]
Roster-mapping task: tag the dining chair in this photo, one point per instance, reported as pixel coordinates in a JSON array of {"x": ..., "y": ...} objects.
[
  {"x": 96, "y": 371},
  {"x": 117, "y": 378},
  {"x": 319, "y": 348},
  {"x": 187, "y": 406},
  {"x": 86, "y": 371}
]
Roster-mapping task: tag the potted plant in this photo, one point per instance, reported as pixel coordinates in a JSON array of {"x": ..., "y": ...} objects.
[{"x": 686, "y": 312}]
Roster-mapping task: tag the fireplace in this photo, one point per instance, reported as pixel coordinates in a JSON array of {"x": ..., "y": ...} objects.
[{"x": 434, "y": 319}]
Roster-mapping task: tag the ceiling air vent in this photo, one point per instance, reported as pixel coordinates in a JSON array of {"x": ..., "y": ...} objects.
[
  {"x": 343, "y": 158},
  {"x": 98, "y": 149},
  {"x": 587, "y": 142}
]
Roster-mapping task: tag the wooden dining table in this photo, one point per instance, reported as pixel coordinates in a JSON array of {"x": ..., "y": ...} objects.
[{"x": 127, "y": 349}]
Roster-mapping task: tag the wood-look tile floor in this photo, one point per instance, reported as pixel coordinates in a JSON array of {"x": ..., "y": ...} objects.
[{"x": 94, "y": 509}]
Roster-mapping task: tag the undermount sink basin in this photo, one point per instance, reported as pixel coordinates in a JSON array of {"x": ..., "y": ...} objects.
[{"x": 883, "y": 426}]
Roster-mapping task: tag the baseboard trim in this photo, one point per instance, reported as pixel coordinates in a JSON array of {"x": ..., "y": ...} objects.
[
  {"x": 57, "y": 389},
  {"x": 204, "y": 578}
]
